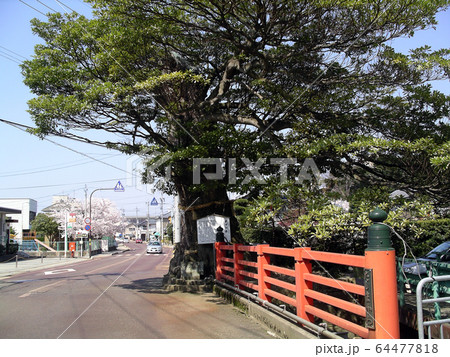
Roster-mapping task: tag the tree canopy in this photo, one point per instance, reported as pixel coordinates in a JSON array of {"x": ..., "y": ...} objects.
[
  {"x": 249, "y": 79},
  {"x": 46, "y": 225}
]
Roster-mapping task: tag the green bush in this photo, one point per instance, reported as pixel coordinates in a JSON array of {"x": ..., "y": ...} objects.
[{"x": 433, "y": 233}]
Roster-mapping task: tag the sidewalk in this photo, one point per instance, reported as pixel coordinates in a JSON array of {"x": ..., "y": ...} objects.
[{"x": 11, "y": 267}]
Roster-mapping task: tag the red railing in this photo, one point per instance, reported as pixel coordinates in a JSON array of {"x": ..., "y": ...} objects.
[{"x": 253, "y": 268}]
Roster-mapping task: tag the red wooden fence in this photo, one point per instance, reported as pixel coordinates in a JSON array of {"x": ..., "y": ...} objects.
[{"x": 250, "y": 268}]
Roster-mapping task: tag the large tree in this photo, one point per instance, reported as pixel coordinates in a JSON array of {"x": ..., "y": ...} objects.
[{"x": 242, "y": 81}]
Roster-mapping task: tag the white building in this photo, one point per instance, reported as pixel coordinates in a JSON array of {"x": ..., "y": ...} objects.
[
  {"x": 5, "y": 221},
  {"x": 28, "y": 208}
]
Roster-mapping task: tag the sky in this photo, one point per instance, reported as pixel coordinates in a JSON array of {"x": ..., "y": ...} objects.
[{"x": 39, "y": 169}]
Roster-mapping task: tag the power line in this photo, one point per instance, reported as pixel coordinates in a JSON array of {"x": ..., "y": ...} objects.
[
  {"x": 14, "y": 53},
  {"x": 22, "y": 126},
  {"x": 48, "y": 7},
  {"x": 48, "y": 169},
  {"x": 23, "y": 2},
  {"x": 58, "y": 185},
  {"x": 10, "y": 58}
]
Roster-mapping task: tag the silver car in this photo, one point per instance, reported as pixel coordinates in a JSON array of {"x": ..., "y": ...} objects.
[{"x": 154, "y": 247}]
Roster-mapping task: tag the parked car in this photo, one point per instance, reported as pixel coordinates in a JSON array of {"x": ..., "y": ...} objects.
[
  {"x": 440, "y": 254},
  {"x": 138, "y": 240},
  {"x": 126, "y": 240},
  {"x": 154, "y": 247}
]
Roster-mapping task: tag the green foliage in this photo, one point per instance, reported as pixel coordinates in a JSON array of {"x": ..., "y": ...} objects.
[
  {"x": 427, "y": 235},
  {"x": 314, "y": 217},
  {"x": 45, "y": 225}
]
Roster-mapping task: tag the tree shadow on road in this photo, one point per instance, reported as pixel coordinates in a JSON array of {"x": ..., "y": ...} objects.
[{"x": 149, "y": 285}]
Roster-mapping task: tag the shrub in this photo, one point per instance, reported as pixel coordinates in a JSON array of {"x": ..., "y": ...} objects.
[{"x": 432, "y": 233}]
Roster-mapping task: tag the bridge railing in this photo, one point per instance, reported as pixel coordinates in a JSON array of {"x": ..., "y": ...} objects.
[{"x": 287, "y": 276}]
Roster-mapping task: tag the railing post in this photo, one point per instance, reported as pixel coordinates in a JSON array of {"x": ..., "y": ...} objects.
[
  {"x": 302, "y": 267},
  {"x": 380, "y": 281},
  {"x": 219, "y": 256},
  {"x": 237, "y": 256},
  {"x": 263, "y": 259}
]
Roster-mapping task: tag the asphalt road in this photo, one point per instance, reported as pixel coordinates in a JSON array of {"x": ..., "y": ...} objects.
[{"x": 115, "y": 297}]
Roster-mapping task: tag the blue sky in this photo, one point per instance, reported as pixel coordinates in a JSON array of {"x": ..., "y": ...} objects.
[{"x": 39, "y": 169}]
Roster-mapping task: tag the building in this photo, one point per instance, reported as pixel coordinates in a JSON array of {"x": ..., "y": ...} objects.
[
  {"x": 140, "y": 230},
  {"x": 5, "y": 221},
  {"x": 60, "y": 203},
  {"x": 20, "y": 221}
]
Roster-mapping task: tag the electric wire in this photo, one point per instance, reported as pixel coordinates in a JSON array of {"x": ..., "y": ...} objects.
[
  {"x": 14, "y": 53},
  {"x": 23, "y": 2},
  {"x": 48, "y": 170},
  {"x": 21, "y": 127},
  {"x": 10, "y": 58}
]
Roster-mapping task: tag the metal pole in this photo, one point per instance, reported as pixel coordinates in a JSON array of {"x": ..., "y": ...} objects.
[
  {"x": 90, "y": 214},
  {"x": 420, "y": 302},
  {"x": 147, "y": 236},
  {"x": 162, "y": 219},
  {"x": 65, "y": 235},
  {"x": 136, "y": 230}
]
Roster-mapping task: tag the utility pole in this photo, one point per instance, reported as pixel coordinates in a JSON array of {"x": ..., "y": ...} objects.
[
  {"x": 147, "y": 236},
  {"x": 162, "y": 219},
  {"x": 85, "y": 200},
  {"x": 137, "y": 222},
  {"x": 123, "y": 223}
]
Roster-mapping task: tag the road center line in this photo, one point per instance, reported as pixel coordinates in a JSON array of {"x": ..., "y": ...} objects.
[
  {"x": 98, "y": 297},
  {"x": 111, "y": 265}
]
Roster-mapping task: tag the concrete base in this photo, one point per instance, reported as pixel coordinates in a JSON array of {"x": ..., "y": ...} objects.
[{"x": 281, "y": 326}]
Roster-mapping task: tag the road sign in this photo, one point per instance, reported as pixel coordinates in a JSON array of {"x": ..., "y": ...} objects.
[
  {"x": 87, "y": 220},
  {"x": 154, "y": 202},
  {"x": 119, "y": 187},
  {"x": 87, "y": 227}
]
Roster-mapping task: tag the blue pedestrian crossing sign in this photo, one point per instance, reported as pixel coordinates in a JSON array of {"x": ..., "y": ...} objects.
[
  {"x": 154, "y": 202},
  {"x": 119, "y": 187}
]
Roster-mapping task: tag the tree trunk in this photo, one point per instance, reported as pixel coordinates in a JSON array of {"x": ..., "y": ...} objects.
[{"x": 193, "y": 261}]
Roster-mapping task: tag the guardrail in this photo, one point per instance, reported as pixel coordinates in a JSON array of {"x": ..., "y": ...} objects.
[
  {"x": 255, "y": 269},
  {"x": 435, "y": 300}
]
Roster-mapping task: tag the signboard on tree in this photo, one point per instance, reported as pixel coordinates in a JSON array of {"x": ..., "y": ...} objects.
[{"x": 207, "y": 228}]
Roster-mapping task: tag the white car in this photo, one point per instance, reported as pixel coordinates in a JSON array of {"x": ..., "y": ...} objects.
[{"x": 154, "y": 247}]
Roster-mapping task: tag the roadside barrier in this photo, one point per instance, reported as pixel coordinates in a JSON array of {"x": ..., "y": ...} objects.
[{"x": 286, "y": 275}]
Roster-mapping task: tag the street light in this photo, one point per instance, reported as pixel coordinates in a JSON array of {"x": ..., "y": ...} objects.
[{"x": 117, "y": 188}]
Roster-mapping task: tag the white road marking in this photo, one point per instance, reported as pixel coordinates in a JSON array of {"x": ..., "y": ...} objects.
[
  {"x": 42, "y": 288},
  {"x": 60, "y": 271}
]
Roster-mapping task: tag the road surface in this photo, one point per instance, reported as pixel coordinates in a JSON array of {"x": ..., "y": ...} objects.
[{"x": 115, "y": 297}]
